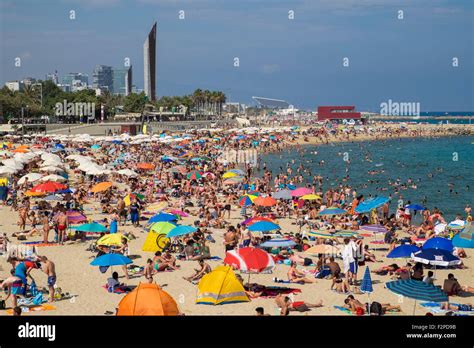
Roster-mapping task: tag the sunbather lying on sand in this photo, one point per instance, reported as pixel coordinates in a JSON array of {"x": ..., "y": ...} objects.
[
  {"x": 286, "y": 305},
  {"x": 456, "y": 307}
]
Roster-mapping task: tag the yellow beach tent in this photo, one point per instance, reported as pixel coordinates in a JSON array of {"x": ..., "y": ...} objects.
[{"x": 221, "y": 286}]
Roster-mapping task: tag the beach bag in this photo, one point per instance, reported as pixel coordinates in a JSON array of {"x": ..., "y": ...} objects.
[
  {"x": 38, "y": 299},
  {"x": 33, "y": 289}
]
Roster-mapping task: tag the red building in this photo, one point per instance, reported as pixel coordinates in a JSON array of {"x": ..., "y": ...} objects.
[{"x": 337, "y": 113}]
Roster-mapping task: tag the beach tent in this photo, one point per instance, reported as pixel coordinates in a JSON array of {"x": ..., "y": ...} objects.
[
  {"x": 370, "y": 204},
  {"x": 220, "y": 286},
  {"x": 148, "y": 299}
]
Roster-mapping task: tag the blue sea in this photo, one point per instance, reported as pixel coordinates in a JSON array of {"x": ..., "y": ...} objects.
[
  {"x": 461, "y": 117},
  {"x": 442, "y": 169}
]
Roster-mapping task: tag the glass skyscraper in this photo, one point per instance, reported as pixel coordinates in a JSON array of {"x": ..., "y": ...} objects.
[
  {"x": 122, "y": 81},
  {"x": 102, "y": 77}
]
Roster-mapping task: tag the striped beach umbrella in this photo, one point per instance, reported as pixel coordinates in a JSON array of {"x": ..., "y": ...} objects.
[
  {"x": 417, "y": 290},
  {"x": 320, "y": 234},
  {"x": 246, "y": 200},
  {"x": 194, "y": 175},
  {"x": 278, "y": 243}
]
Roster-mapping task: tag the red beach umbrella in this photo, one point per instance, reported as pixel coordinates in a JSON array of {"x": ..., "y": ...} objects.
[
  {"x": 48, "y": 187},
  {"x": 250, "y": 260}
]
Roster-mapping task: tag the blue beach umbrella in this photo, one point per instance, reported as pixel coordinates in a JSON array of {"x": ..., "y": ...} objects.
[
  {"x": 439, "y": 243},
  {"x": 263, "y": 226},
  {"x": 181, "y": 231},
  {"x": 417, "y": 290},
  {"x": 278, "y": 243},
  {"x": 436, "y": 257},
  {"x": 403, "y": 251},
  {"x": 95, "y": 147},
  {"x": 332, "y": 211},
  {"x": 370, "y": 204},
  {"x": 108, "y": 260},
  {"x": 162, "y": 217},
  {"x": 93, "y": 227}
]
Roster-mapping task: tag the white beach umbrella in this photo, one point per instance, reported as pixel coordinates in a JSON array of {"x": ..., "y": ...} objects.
[
  {"x": 32, "y": 177},
  {"x": 51, "y": 169},
  {"x": 53, "y": 177},
  {"x": 7, "y": 170},
  {"x": 127, "y": 172}
]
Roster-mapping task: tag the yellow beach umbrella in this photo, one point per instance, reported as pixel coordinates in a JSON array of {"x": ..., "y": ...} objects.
[
  {"x": 311, "y": 197},
  {"x": 157, "y": 206},
  {"x": 113, "y": 239},
  {"x": 228, "y": 175}
]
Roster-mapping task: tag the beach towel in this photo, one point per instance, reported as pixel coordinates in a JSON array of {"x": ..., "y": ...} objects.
[
  {"x": 25, "y": 309},
  {"x": 40, "y": 243},
  {"x": 343, "y": 309},
  {"x": 274, "y": 291},
  {"x": 377, "y": 242},
  {"x": 286, "y": 281},
  {"x": 117, "y": 290}
]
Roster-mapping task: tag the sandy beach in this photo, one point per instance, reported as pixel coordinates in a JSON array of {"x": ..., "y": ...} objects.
[{"x": 85, "y": 283}]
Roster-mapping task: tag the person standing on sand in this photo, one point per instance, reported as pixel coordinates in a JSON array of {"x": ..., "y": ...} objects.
[
  {"x": 122, "y": 211},
  {"x": 46, "y": 227},
  {"x": 49, "y": 268},
  {"x": 62, "y": 223}
]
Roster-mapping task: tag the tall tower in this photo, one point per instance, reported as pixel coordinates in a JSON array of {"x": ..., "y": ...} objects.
[{"x": 149, "y": 64}]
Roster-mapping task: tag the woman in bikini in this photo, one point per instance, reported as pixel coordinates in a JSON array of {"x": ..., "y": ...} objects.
[{"x": 296, "y": 276}]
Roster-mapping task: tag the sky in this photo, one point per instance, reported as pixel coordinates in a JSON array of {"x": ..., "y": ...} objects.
[{"x": 287, "y": 49}]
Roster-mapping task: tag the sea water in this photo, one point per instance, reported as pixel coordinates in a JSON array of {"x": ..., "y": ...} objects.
[{"x": 442, "y": 169}]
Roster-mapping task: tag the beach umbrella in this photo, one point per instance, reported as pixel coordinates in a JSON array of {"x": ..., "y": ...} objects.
[
  {"x": 101, "y": 187},
  {"x": 464, "y": 239},
  {"x": 254, "y": 219},
  {"x": 53, "y": 198},
  {"x": 108, "y": 260},
  {"x": 278, "y": 243},
  {"x": 178, "y": 212},
  {"x": 148, "y": 299},
  {"x": 345, "y": 233},
  {"x": 374, "y": 228},
  {"x": 417, "y": 290},
  {"x": 220, "y": 286},
  {"x": 233, "y": 181},
  {"x": 48, "y": 187},
  {"x": 145, "y": 166},
  {"x": 403, "y": 251},
  {"x": 301, "y": 191},
  {"x": 246, "y": 200},
  {"x": 157, "y": 206},
  {"x": 265, "y": 201},
  {"x": 75, "y": 217},
  {"x": 53, "y": 177},
  {"x": 93, "y": 227},
  {"x": 228, "y": 175},
  {"x": 282, "y": 194},
  {"x": 194, "y": 175},
  {"x": 263, "y": 226},
  {"x": 239, "y": 172},
  {"x": 51, "y": 169},
  {"x": 128, "y": 198},
  {"x": 127, "y": 172},
  {"x": 32, "y": 177},
  {"x": 415, "y": 207},
  {"x": 7, "y": 170},
  {"x": 311, "y": 197},
  {"x": 439, "y": 243},
  {"x": 320, "y": 234},
  {"x": 162, "y": 217},
  {"x": 162, "y": 227},
  {"x": 332, "y": 211},
  {"x": 181, "y": 231},
  {"x": 114, "y": 239},
  {"x": 156, "y": 241},
  {"x": 436, "y": 257},
  {"x": 95, "y": 147},
  {"x": 366, "y": 285},
  {"x": 370, "y": 204},
  {"x": 324, "y": 249},
  {"x": 250, "y": 260}
]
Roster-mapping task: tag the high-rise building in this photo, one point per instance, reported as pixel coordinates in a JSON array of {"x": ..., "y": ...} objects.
[
  {"x": 68, "y": 79},
  {"x": 53, "y": 77},
  {"x": 149, "y": 64},
  {"x": 14, "y": 86},
  {"x": 122, "y": 81},
  {"x": 102, "y": 77}
]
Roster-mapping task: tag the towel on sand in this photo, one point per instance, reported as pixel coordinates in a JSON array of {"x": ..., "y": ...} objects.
[{"x": 43, "y": 307}]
